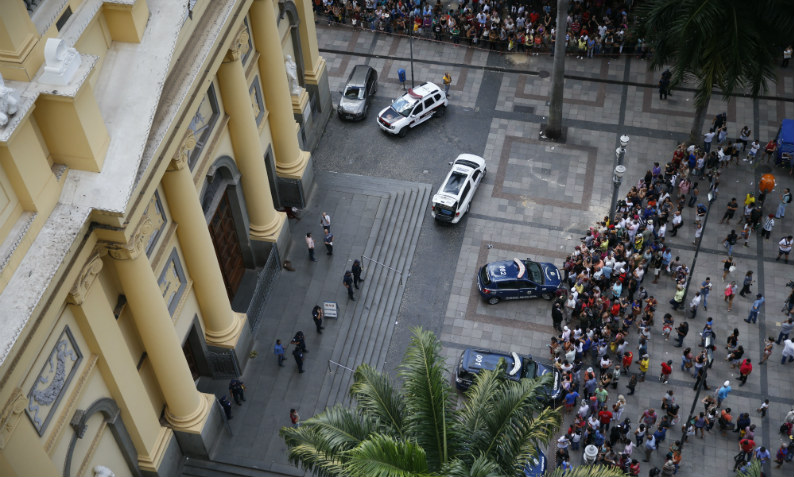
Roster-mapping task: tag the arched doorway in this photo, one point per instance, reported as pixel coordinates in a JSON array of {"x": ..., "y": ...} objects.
[{"x": 227, "y": 221}]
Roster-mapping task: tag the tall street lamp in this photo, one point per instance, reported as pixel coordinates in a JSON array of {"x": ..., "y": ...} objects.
[{"x": 617, "y": 176}]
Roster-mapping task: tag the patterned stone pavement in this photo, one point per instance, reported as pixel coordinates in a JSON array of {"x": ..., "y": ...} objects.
[{"x": 539, "y": 197}]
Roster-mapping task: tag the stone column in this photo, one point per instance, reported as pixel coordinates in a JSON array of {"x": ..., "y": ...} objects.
[
  {"x": 265, "y": 222},
  {"x": 186, "y": 408},
  {"x": 94, "y": 315},
  {"x": 291, "y": 161},
  {"x": 222, "y": 326},
  {"x": 313, "y": 63}
]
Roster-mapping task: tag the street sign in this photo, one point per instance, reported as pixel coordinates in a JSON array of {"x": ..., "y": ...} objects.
[{"x": 330, "y": 309}]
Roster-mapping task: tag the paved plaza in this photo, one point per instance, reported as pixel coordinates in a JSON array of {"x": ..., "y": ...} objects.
[{"x": 536, "y": 201}]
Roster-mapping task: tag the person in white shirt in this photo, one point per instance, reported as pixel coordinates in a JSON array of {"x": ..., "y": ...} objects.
[{"x": 707, "y": 138}]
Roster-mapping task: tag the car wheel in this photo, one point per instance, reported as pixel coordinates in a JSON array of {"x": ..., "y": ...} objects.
[
  {"x": 546, "y": 296},
  {"x": 440, "y": 112},
  {"x": 468, "y": 207},
  {"x": 493, "y": 300},
  {"x": 403, "y": 131},
  {"x": 484, "y": 172},
  {"x": 364, "y": 113}
]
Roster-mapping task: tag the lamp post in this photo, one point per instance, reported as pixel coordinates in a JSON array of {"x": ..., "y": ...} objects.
[
  {"x": 711, "y": 198},
  {"x": 617, "y": 176},
  {"x": 411, "y": 44}
]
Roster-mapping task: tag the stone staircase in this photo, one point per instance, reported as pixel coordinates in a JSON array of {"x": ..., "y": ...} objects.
[
  {"x": 193, "y": 467},
  {"x": 365, "y": 337}
]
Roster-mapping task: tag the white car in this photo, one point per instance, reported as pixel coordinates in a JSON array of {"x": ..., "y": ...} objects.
[
  {"x": 454, "y": 197},
  {"x": 413, "y": 108}
]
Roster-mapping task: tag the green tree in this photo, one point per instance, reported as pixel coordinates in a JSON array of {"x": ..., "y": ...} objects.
[
  {"x": 732, "y": 45},
  {"x": 416, "y": 430}
]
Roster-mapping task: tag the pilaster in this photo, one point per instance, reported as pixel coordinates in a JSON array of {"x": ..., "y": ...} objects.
[{"x": 94, "y": 314}]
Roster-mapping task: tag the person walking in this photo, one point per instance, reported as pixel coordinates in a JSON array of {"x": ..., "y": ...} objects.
[
  {"x": 722, "y": 392},
  {"x": 730, "y": 211},
  {"x": 278, "y": 350},
  {"x": 237, "y": 390},
  {"x": 347, "y": 281},
  {"x": 356, "y": 269},
  {"x": 294, "y": 418},
  {"x": 556, "y": 317},
  {"x": 767, "y": 352},
  {"x": 757, "y": 304},
  {"x": 785, "y": 199},
  {"x": 447, "y": 79},
  {"x": 785, "y": 330},
  {"x": 310, "y": 246},
  {"x": 667, "y": 370},
  {"x": 705, "y": 288},
  {"x": 727, "y": 264},
  {"x": 317, "y": 317},
  {"x": 694, "y": 304},
  {"x": 325, "y": 221},
  {"x": 328, "y": 240},
  {"x": 682, "y": 330},
  {"x": 730, "y": 241},
  {"x": 788, "y": 351},
  {"x": 678, "y": 297},
  {"x": 784, "y": 247},
  {"x": 769, "y": 224},
  {"x": 748, "y": 281},
  {"x": 730, "y": 292},
  {"x": 744, "y": 370},
  {"x": 298, "y": 355}
]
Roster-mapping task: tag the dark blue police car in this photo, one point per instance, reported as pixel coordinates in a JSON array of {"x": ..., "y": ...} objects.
[
  {"x": 536, "y": 466},
  {"x": 473, "y": 360},
  {"x": 518, "y": 279}
]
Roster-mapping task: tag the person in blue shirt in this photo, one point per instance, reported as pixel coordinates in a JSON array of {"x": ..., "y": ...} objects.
[
  {"x": 278, "y": 350},
  {"x": 753, "y": 316},
  {"x": 723, "y": 392}
]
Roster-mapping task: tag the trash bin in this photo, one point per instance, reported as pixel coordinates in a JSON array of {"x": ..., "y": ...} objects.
[
  {"x": 590, "y": 454},
  {"x": 401, "y": 76}
]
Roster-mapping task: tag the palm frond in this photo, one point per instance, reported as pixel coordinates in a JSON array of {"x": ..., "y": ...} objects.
[
  {"x": 384, "y": 456},
  {"x": 755, "y": 470},
  {"x": 307, "y": 449},
  {"x": 587, "y": 471},
  {"x": 509, "y": 422},
  {"x": 427, "y": 397},
  {"x": 481, "y": 466},
  {"x": 376, "y": 396},
  {"x": 321, "y": 443},
  {"x": 471, "y": 419}
]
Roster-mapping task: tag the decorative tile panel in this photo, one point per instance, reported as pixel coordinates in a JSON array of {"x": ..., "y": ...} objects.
[{"x": 53, "y": 380}]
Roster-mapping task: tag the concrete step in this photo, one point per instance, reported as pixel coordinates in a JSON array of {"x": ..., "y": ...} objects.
[
  {"x": 348, "y": 327},
  {"x": 382, "y": 342},
  {"x": 369, "y": 299},
  {"x": 207, "y": 468},
  {"x": 371, "y": 341}
]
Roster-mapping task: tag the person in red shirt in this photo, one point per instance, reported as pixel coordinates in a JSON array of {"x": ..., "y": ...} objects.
[
  {"x": 605, "y": 417},
  {"x": 667, "y": 370},
  {"x": 746, "y": 446},
  {"x": 628, "y": 356},
  {"x": 744, "y": 370}
]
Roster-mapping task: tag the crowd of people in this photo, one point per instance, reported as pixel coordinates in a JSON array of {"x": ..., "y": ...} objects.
[
  {"x": 593, "y": 27},
  {"x": 606, "y": 306}
]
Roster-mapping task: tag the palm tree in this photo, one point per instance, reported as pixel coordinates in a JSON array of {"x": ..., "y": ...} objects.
[
  {"x": 417, "y": 431},
  {"x": 554, "y": 126},
  {"x": 732, "y": 45}
]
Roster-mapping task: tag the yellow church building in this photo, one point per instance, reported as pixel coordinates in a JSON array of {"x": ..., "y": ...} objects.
[{"x": 147, "y": 148}]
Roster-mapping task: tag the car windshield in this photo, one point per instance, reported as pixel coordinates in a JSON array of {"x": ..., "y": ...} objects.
[
  {"x": 535, "y": 272},
  {"x": 464, "y": 162},
  {"x": 455, "y": 183},
  {"x": 404, "y": 105},
  {"x": 354, "y": 92},
  {"x": 530, "y": 368}
]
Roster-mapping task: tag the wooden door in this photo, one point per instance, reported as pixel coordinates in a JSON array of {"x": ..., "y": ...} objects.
[
  {"x": 191, "y": 360},
  {"x": 227, "y": 246}
]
